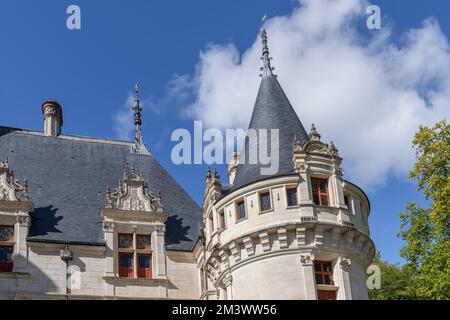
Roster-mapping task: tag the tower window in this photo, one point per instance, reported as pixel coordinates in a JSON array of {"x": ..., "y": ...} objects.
[
  {"x": 323, "y": 272},
  {"x": 264, "y": 199},
  {"x": 211, "y": 222},
  {"x": 291, "y": 194},
  {"x": 320, "y": 191},
  {"x": 221, "y": 220},
  {"x": 347, "y": 203},
  {"x": 241, "y": 210},
  {"x": 6, "y": 248}
]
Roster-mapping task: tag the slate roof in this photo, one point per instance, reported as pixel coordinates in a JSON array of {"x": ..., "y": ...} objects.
[
  {"x": 272, "y": 110},
  {"x": 68, "y": 177}
]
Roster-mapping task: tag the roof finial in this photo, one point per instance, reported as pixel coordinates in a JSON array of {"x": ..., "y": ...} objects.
[
  {"x": 266, "y": 69},
  {"x": 314, "y": 135},
  {"x": 139, "y": 141}
]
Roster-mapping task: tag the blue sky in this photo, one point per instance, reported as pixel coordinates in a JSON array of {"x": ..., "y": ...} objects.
[{"x": 91, "y": 72}]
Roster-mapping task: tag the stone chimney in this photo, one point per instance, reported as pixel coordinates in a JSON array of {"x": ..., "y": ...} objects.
[{"x": 53, "y": 119}]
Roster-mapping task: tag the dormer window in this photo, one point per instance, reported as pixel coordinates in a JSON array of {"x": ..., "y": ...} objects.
[
  {"x": 264, "y": 200},
  {"x": 320, "y": 191},
  {"x": 6, "y": 248},
  {"x": 135, "y": 255}
]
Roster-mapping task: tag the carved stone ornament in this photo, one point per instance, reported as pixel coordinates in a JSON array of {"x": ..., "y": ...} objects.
[
  {"x": 24, "y": 221},
  {"x": 309, "y": 219},
  {"x": 344, "y": 262},
  {"x": 332, "y": 150},
  {"x": 306, "y": 259},
  {"x": 10, "y": 188},
  {"x": 133, "y": 194},
  {"x": 108, "y": 226},
  {"x": 296, "y": 145}
]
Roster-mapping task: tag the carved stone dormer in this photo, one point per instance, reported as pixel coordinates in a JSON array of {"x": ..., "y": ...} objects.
[
  {"x": 11, "y": 189},
  {"x": 133, "y": 194},
  {"x": 15, "y": 209},
  {"x": 132, "y": 209}
]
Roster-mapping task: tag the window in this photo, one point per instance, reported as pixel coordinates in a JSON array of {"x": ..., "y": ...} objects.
[
  {"x": 211, "y": 222},
  {"x": 135, "y": 254},
  {"x": 241, "y": 210},
  {"x": 126, "y": 264},
  {"x": 6, "y": 248},
  {"x": 320, "y": 191},
  {"x": 291, "y": 195},
  {"x": 347, "y": 203},
  {"x": 264, "y": 199},
  {"x": 221, "y": 220},
  {"x": 323, "y": 272},
  {"x": 144, "y": 266}
]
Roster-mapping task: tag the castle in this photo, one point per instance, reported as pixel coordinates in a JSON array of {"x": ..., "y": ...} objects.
[{"x": 88, "y": 218}]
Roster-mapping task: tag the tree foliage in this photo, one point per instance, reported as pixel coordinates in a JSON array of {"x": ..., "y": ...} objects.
[
  {"x": 426, "y": 231},
  {"x": 395, "y": 282}
]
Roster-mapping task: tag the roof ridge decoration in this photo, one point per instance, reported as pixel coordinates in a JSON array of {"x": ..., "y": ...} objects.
[
  {"x": 266, "y": 69},
  {"x": 133, "y": 194},
  {"x": 139, "y": 146},
  {"x": 11, "y": 189}
]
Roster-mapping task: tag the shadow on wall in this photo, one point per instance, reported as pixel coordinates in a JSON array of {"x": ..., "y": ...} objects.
[
  {"x": 176, "y": 232},
  {"x": 47, "y": 221},
  {"x": 27, "y": 284}
]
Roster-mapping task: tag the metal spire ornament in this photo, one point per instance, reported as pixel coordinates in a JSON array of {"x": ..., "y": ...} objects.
[
  {"x": 266, "y": 69},
  {"x": 139, "y": 146}
]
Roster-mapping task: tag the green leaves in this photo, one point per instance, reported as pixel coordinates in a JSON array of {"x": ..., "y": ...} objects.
[{"x": 426, "y": 231}]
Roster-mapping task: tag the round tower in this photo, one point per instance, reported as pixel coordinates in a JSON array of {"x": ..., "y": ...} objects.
[{"x": 301, "y": 233}]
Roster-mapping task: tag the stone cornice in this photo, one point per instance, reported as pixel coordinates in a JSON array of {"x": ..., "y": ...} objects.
[
  {"x": 25, "y": 206},
  {"x": 115, "y": 215}
]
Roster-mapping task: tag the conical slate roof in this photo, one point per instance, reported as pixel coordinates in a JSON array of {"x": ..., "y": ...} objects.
[{"x": 272, "y": 110}]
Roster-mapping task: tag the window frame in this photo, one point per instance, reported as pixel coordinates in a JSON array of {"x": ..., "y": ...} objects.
[
  {"x": 323, "y": 273},
  {"x": 135, "y": 253},
  {"x": 221, "y": 222},
  {"x": 260, "y": 195},
  {"x": 316, "y": 191},
  {"x": 212, "y": 225},
  {"x": 238, "y": 210},
  {"x": 288, "y": 189},
  {"x": 11, "y": 243}
]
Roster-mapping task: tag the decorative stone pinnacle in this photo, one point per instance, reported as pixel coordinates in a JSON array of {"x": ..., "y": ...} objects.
[
  {"x": 332, "y": 149},
  {"x": 314, "y": 135},
  {"x": 208, "y": 173},
  {"x": 296, "y": 145},
  {"x": 266, "y": 69},
  {"x": 139, "y": 146},
  {"x": 216, "y": 174}
]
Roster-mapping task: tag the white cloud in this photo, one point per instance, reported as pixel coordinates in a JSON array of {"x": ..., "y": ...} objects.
[
  {"x": 367, "y": 93},
  {"x": 124, "y": 120}
]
